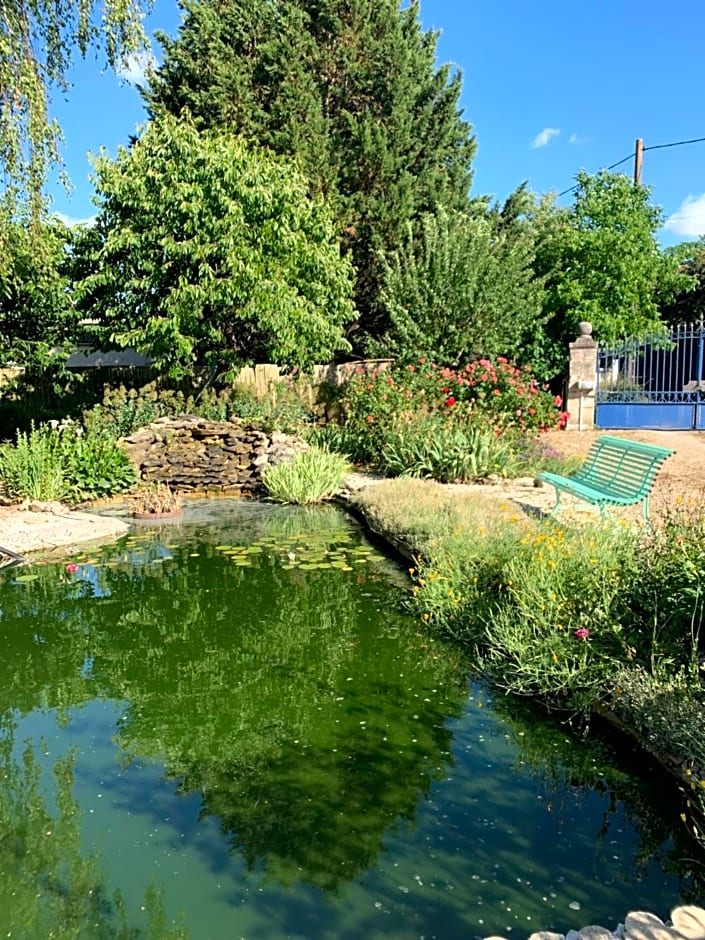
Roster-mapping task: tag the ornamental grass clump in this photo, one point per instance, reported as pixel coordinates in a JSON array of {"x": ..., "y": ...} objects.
[
  {"x": 446, "y": 452},
  {"x": 34, "y": 466},
  {"x": 312, "y": 476}
]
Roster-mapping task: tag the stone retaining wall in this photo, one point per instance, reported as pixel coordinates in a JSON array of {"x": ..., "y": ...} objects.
[{"x": 196, "y": 455}]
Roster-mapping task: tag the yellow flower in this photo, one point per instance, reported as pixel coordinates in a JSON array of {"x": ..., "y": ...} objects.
[
  {"x": 425, "y": 616},
  {"x": 683, "y": 817},
  {"x": 555, "y": 658}
]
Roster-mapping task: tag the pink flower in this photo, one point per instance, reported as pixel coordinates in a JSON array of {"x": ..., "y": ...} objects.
[
  {"x": 496, "y": 392},
  {"x": 558, "y": 401},
  {"x": 582, "y": 634},
  {"x": 71, "y": 568},
  {"x": 370, "y": 419}
]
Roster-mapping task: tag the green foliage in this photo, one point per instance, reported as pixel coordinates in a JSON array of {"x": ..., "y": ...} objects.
[
  {"x": 282, "y": 408},
  {"x": 37, "y": 320},
  {"x": 687, "y": 305},
  {"x": 443, "y": 451},
  {"x": 38, "y": 41},
  {"x": 598, "y": 616},
  {"x": 351, "y": 91},
  {"x": 488, "y": 393},
  {"x": 214, "y": 254},
  {"x": 33, "y": 467},
  {"x": 669, "y": 596},
  {"x": 95, "y": 467},
  {"x": 602, "y": 263},
  {"x": 62, "y": 464},
  {"x": 462, "y": 285},
  {"x": 310, "y": 476}
]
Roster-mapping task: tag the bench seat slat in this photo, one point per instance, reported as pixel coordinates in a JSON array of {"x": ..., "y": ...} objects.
[{"x": 616, "y": 472}]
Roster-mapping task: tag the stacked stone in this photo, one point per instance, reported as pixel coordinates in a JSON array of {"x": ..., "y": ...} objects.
[
  {"x": 686, "y": 923},
  {"x": 193, "y": 454}
]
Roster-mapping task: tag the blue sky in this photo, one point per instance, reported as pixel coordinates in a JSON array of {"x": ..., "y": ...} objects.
[{"x": 550, "y": 87}]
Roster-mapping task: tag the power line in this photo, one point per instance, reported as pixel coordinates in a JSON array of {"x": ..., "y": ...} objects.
[
  {"x": 610, "y": 167},
  {"x": 675, "y": 143}
]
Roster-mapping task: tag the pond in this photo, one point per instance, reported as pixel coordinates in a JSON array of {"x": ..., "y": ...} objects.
[{"x": 230, "y": 728}]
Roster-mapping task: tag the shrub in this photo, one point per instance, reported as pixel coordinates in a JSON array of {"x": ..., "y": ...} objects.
[
  {"x": 495, "y": 394},
  {"x": 95, "y": 466},
  {"x": 311, "y": 476},
  {"x": 34, "y": 467},
  {"x": 64, "y": 464}
]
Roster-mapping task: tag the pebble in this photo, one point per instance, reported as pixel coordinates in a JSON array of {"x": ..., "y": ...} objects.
[{"x": 686, "y": 923}]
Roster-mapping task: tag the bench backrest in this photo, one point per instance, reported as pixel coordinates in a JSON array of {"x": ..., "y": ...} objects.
[{"x": 626, "y": 469}]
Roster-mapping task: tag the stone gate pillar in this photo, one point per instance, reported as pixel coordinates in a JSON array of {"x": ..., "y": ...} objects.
[{"x": 582, "y": 379}]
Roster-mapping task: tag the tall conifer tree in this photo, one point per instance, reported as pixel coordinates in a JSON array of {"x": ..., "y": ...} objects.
[{"x": 351, "y": 89}]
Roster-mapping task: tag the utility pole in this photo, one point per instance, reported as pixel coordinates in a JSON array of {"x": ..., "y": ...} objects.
[{"x": 638, "y": 160}]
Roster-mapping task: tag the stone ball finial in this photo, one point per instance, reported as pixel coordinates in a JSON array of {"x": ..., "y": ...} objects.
[{"x": 584, "y": 328}]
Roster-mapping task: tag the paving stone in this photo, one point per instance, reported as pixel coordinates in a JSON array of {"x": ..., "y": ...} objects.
[{"x": 546, "y": 935}]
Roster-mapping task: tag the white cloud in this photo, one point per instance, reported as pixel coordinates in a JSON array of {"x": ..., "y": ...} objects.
[
  {"x": 689, "y": 219},
  {"x": 135, "y": 67},
  {"x": 72, "y": 223},
  {"x": 544, "y": 137}
]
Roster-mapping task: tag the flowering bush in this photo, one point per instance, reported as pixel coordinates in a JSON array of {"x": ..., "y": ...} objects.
[{"x": 488, "y": 392}]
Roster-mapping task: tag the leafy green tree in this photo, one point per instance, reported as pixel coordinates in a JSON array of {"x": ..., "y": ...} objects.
[
  {"x": 351, "y": 90},
  {"x": 688, "y": 304},
  {"x": 602, "y": 263},
  {"x": 37, "y": 40},
  {"x": 37, "y": 318},
  {"x": 463, "y": 286},
  {"x": 211, "y": 253}
]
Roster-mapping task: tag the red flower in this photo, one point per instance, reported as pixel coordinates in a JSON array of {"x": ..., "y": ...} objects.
[
  {"x": 450, "y": 401},
  {"x": 370, "y": 419}
]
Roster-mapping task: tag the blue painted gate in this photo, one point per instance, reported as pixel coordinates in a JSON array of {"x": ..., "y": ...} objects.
[{"x": 654, "y": 381}]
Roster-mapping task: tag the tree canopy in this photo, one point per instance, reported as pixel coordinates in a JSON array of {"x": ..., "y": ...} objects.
[
  {"x": 37, "y": 317},
  {"x": 463, "y": 287},
  {"x": 209, "y": 253},
  {"x": 37, "y": 42},
  {"x": 602, "y": 263},
  {"x": 351, "y": 90},
  {"x": 688, "y": 304}
]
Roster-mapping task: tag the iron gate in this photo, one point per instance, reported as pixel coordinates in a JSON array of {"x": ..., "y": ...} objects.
[{"x": 654, "y": 381}]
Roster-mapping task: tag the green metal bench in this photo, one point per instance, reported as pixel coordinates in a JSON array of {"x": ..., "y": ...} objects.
[{"x": 616, "y": 472}]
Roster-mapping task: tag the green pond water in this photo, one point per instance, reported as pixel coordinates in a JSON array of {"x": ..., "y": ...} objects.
[{"x": 229, "y": 728}]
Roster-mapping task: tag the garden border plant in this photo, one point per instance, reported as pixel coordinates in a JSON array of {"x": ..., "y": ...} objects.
[{"x": 578, "y": 618}]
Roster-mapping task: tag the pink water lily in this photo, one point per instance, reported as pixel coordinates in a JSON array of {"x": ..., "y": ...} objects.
[{"x": 582, "y": 634}]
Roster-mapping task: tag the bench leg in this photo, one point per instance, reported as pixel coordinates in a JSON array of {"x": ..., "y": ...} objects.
[
  {"x": 645, "y": 510},
  {"x": 558, "y": 501}
]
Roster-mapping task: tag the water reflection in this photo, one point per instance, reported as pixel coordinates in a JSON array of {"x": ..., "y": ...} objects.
[{"x": 285, "y": 725}]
